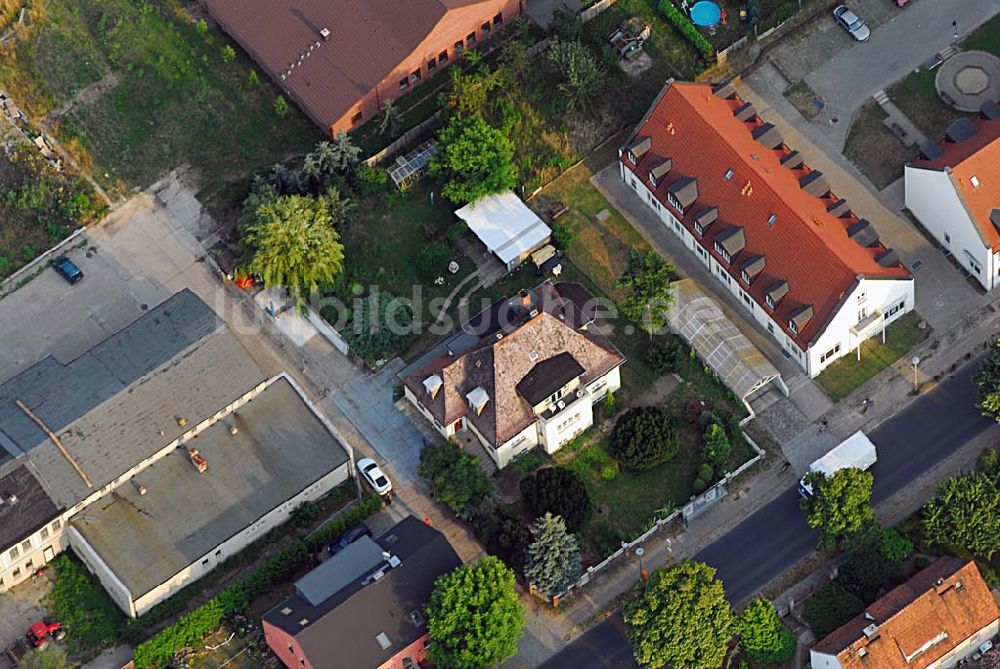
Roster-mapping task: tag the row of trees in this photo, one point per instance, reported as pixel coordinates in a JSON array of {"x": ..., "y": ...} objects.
[{"x": 679, "y": 617}]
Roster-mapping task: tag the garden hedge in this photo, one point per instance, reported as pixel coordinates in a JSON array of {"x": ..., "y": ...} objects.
[
  {"x": 686, "y": 28},
  {"x": 237, "y": 596}
]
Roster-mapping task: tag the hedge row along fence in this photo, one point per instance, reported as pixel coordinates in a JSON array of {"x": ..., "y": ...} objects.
[
  {"x": 237, "y": 596},
  {"x": 686, "y": 28}
]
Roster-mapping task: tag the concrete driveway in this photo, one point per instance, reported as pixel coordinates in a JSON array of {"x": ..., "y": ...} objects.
[
  {"x": 845, "y": 73},
  {"x": 20, "y": 607}
]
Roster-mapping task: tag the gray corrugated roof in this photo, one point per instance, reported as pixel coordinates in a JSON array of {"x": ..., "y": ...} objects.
[
  {"x": 281, "y": 448},
  {"x": 60, "y": 394},
  {"x": 357, "y": 560}
]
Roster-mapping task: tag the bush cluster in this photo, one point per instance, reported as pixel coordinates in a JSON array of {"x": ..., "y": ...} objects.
[
  {"x": 644, "y": 438},
  {"x": 457, "y": 479},
  {"x": 82, "y": 605},
  {"x": 686, "y": 28},
  {"x": 558, "y": 491},
  {"x": 238, "y": 595},
  {"x": 830, "y": 607}
]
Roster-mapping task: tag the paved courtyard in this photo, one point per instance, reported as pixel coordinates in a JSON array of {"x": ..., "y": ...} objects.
[
  {"x": 20, "y": 607},
  {"x": 968, "y": 79}
]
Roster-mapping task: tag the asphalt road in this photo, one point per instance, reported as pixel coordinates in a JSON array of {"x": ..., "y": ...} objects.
[{"x": 774, "y": 538}]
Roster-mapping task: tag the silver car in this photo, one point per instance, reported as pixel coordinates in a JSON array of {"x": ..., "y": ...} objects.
[{"x": 852, "y": 23}]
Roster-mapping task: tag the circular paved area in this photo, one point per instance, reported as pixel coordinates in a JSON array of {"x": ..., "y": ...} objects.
[{"x": 968, "y": 79}]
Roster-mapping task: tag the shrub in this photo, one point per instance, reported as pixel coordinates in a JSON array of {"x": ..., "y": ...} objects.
[
  {"x": 188, "y": 631},
  {"x": 716, "y": 446},
  {"x": 894, "y": 546},
  {"x": 305, "y": 514},
  {"x": 609, "y": 472},
  {"x": 705, "y": 472},
  {"x": 506, "y": 535},
  {"x": 82, "y": 606},
  {"x": 686, "y": 28},
  {"x": 560, "y": 492},
  {"x": 644, "y": 437},
  {"x": 368, "y": 181},
  {"x": 866, "y": 572},
  {"x": 830, "y": 607},
  {"x": 432, "y": 260},
  {"x": 666, "y": 354},
  {"x": 280, "y": 106},
  {"x": 610, "y": 404},
  {"x": 763, "y": 636},
  {"x": 707, "y": 419},
  {"x": 228, "y": 54},
  {"x": 368, "y": 506},
  {"x": 457, "y": 478},
  {"x": 699, "y": 486},
  {"x": 562, "y": 234}
]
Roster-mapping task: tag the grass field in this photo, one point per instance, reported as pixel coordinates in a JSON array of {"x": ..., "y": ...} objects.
[
  {"x": 140, "y": 89},
  {"x": 843, "y": 376},
  {"x": 874, "y": 149}
]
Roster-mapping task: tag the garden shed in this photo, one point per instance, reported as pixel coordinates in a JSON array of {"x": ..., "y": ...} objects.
[
  {"x": 509, "y": 229},
  {"x": 703, "y": 325}
]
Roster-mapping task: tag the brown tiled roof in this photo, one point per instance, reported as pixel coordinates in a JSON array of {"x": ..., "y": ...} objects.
[
  {"x": 923, "y": 619},
  {"x": 499, "y": 365},
  {"x": 709, "y": 138},
  {"x": 978, "y": 156},
  {"x": 368, "y": 40}
]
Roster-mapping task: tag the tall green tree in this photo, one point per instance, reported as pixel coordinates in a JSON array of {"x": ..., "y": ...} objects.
[
  {"x": 473, "y": 159},
  {"x": 965, "y": 515},
  {"x": 644, "y": 438},
  {"x": 762, "y": 635},
  {"x": 648, "y": 278},
  {"x": 553, "y": 560},
  {"x": 291, "y": 241},
  {"x": 390, "y": 120},
  {"x": 582, "y": 75},
  {"x": 679, "y": 617},
  {"x": 457, "y": 479},
  {"x": 716, "y": 446},
  {"x": 840, "y": 504},
  {"x": 321, "y": 163},
  {"x": 345, "y": 152},
  {"x": 867, "y": 572},
  {"x": 474, "y": 617},
  {"x": 987, "y": 381}
]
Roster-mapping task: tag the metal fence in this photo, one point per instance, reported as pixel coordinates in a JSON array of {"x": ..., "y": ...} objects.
[
  {"x": 409, "y": 137},
  {"x": 595, "y": 9},
  {"x": 688, "y": 511},
  {"x": 722, "y": 57}
]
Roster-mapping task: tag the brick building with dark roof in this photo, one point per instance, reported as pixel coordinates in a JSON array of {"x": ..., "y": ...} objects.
[
  {"x": 531, "y": 377},
  {"x": 770, "y": 229},
  {"x": 342, "y": 615},
  {"x": 953, "y": 189},
  {"x": 940, "y": 616},
  {"x": 341, "y": 61}
]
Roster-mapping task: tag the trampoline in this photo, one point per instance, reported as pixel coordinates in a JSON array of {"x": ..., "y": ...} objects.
[{"x": 705, "y": 14}]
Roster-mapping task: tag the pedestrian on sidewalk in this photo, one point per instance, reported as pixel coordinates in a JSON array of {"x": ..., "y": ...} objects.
[
  {"x": 823, "y": 424},
  {"x": 785, "y": 465}
]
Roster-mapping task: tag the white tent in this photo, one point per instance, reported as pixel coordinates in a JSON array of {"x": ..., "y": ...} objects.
[{"x": 508, "y": 228}]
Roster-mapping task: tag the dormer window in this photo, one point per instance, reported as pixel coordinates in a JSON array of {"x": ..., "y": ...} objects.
[
  {"x": 673, "y": 202},
  {"x": 800, "y": 318},
  {"x": 723, "y": 253},
  {"x": 698, "y": 230},
  {"x": 793, "y": 327},
  {"x": 769, "y": 301},
  {"x": 745, "y": 277},
  {"x": 775, "y": 293},
  {"x": 751, "y": 268},
  {"x": 659, "y": 170},
  {"x": 637, "y": 149}
]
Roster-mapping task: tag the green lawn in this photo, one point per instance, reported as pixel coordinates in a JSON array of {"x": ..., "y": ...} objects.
[
  {"x": 986, "y": 37},
  {"x": 916, "y": 96},
  {"x": 165, "y": 98},
  {"x": 874, "y": 149},
  {"x": 843, "y": 376}
]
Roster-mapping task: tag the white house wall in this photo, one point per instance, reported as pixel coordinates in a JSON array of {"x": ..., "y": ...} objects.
[
  {"x": 838, "y": 328},
  {"x": 868, "y": 294},
  {"x": 823, "y": 661},
  {"x": 931, "y": 196},
  {"x": 51, "y": 536},
  {"x": 97, "y": 566},
  {"x": 566, "y": 424}
]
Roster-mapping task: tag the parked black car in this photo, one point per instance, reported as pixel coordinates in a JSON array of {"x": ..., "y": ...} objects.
[{"x": 348, "y": 538}]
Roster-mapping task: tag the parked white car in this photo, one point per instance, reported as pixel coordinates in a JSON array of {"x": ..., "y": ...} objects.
[{"x": 373, "y": 474}]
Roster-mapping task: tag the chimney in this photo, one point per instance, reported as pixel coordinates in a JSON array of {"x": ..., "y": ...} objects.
[
  {"x": 325, "y": 34},
  {"x": 871, "y": 632},
  {"x": 525, "y": 298}
]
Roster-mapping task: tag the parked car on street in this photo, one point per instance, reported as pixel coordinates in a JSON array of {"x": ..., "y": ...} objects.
[
  {"x": 374, "y": 476},
  {"x": 67, "y": 269},
  {"x": 348, "y": 538},
  {"x": 852, "y": 23}
]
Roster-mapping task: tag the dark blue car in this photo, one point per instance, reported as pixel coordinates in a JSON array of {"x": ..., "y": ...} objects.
[
  {"x": 67, "y": 269},
  {"x": 348, "y": 538}
]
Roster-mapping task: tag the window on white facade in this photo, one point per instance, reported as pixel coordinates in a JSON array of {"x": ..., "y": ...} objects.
[
  {"x": 698, "y": 230},
  {"x": 862, "y": 298},
  {"x": 723, "y": 253},
  {"x": 702, "y": 252},
  {"x": 555, "y": 397},
  {"x": 895, "y": 308},
  {"x": 675, "y": 203},
  {"x": 769, "y": 301},
  {"x": 56, "y": 524},
  {"x": 15, "y": 553},
  {"x": 636, "y": 187},
  {"x": 947, "y": 238},
  {"x": 45, "y": 533},
  {"x": 830, "y": 354},
  {"x": 16, "y": 572},
  {"x": 26, "y": 545},
  {"x": 770, "y": 328},
  {"x": 793, "y": 327}
]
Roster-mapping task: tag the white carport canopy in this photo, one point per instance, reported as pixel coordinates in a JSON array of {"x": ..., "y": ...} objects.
[
  {"x": 508, "y": 228},
  {"x": 701, "y": 323}
]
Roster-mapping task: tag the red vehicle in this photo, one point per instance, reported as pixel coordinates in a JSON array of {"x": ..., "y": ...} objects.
[
  {"x": 40, "y": 632},
  {"x": 901, "y": 3}
]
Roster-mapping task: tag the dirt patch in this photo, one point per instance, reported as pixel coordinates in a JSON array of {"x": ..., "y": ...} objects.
[
  {"x": 805, "y": 100},
  {"x": 87, "y": 96},
  {"x": 662, "y": 387},
  {"x": 874, "y": 149}
]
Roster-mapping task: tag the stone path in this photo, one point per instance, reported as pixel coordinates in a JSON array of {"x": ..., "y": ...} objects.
[{"x": 898, "y": 122}]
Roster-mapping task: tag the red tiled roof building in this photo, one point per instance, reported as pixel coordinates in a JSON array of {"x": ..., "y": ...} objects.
[
  {"x": 953, "y": 189},
  {"x": 769, "y": 228},
  {"x": 940, "y": 616}
]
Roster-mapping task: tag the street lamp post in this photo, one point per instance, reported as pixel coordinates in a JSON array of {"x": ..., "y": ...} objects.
[
  {"x": 915, "y": 360},
  {"x": 954, "y": 25},
  {"x": 639, "y": 552}
]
